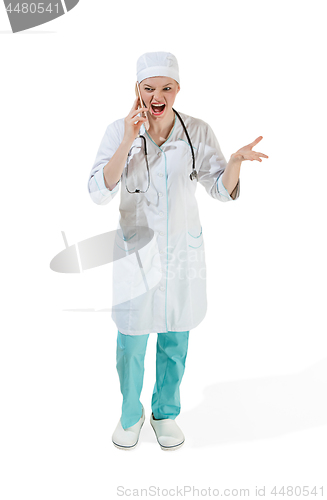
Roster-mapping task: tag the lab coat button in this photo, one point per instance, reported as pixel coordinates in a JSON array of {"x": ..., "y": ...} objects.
[
  {"x": 161, "y": 233},
  {"x": 160, "y": 174},
  {"x": 160, "y": 194},
  {"x": 162, "y": 251},
  {"x": 159, "y": 153},
  {"x": 161, "y": 213},
  {"x": 162, "y": 288}
]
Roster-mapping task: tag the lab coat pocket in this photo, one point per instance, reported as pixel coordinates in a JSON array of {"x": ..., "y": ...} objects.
[
  {"x": 196, "y": 258},
  {"x": 195, "y": 238},
  {"x": 125, "y": 243}
]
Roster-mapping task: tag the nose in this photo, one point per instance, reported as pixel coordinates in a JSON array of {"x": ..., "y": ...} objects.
[{"x": 157, "y": 95}]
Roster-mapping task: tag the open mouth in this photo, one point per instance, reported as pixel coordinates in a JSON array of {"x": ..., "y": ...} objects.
[{"x": 157, "y": 109}]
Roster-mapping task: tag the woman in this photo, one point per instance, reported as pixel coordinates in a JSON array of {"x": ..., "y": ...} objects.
[{"x": 159, "y": 282}]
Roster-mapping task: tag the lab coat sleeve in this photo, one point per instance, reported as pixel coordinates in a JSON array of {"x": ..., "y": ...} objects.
[
  {"x": 212, "y": 167},
  {"x": 98, "y": 191}
]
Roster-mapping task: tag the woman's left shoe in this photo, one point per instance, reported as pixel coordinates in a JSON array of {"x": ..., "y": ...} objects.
[{"x": 169, "y": 435}]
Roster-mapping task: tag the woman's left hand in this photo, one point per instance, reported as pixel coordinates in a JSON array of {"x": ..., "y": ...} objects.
[{"x": 246, "y": 152}]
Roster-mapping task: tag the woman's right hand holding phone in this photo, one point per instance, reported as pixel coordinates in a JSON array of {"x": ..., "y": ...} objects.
[
  {"x": 133, "y": 122},
  {"x": 112, "y": 171}
]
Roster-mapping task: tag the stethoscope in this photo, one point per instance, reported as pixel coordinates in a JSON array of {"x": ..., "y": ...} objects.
[{"x": 193, "y": 174}]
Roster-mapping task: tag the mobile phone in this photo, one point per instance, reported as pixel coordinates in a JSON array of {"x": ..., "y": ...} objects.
[{"x": 138, "y": 94}]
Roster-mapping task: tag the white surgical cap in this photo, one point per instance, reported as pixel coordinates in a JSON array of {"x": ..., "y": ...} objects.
[{"x": 157, "y": 64}]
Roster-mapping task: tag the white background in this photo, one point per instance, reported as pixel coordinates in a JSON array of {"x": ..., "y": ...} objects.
[{"x": 254, "y": 391}]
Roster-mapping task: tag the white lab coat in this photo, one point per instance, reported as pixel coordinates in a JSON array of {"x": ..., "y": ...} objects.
[{"x": 163, "y": 288}]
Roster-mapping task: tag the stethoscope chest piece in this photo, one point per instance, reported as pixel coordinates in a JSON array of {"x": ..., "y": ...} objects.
[{"x": 194, "y": 175}]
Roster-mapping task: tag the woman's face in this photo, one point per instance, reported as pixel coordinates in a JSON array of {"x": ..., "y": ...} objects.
[{"x": 160, "y": 91}]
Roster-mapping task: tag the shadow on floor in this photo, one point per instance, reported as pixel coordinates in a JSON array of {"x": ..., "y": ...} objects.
[{"x": 247, "y": 410}]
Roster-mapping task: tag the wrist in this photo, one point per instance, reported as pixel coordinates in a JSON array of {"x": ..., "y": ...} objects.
[
  {"x": 128, "y": 141},
  {"x": 235, "y": 160},
  {"x": 236, "y": 157}
]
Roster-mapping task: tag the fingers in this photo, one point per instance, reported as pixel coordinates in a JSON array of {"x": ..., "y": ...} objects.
[
  {"x": 137, "y": 111},
  {"x": 140, "y": 119},
  {"x": 260, "y": 154},
  {"x": 254, "y": 156},
  {"x": 134, "y": 120},
  {"x": 258, "y": 139},
  {"x": 135, "y": 104},
  {"x": 131, "y": 118},
  {"x": 137, "y": 121}
]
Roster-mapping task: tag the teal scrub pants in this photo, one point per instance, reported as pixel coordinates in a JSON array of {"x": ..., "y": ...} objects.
[{"x": 170, "y": 365}]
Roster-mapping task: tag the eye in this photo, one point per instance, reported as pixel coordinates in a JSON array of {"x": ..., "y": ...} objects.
[
  {"x": 148, "y": 89},
  {"x": 167, "y": 88}
]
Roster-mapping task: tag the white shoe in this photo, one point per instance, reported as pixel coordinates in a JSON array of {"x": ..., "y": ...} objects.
[
  {"x": 169, "y": 435},
  {"x": 126, "y": 439}
]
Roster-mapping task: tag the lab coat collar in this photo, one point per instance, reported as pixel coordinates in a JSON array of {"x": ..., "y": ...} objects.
[{"x": 144, "y": 131}]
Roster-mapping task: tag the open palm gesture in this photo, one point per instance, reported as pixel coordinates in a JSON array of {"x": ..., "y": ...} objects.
[{"x": 246, "y": 152}]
